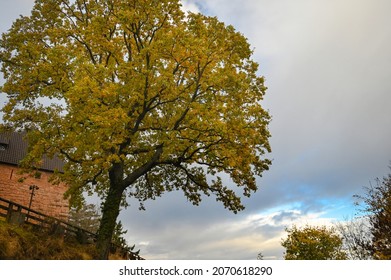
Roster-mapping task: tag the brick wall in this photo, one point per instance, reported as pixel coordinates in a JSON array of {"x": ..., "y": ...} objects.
[{"x": 48, "y": 199}]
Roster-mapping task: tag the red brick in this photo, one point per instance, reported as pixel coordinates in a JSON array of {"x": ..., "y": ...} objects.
[{"x": 48, "y": 199}]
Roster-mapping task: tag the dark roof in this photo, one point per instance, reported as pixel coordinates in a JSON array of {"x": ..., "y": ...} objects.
[{"x": 13, "y": 148}]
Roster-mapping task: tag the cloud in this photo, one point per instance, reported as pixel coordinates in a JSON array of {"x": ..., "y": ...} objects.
[
  {"x": 238, "y": 238},
  {"x": 326, "y": 65},
  {"x": 188, "y": 5}
]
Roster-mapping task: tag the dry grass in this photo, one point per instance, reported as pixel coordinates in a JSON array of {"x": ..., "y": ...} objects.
[{"x": 28, "y": 243}]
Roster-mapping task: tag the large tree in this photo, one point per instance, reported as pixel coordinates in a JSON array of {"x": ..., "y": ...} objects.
[{"x": 138, "y": 99}]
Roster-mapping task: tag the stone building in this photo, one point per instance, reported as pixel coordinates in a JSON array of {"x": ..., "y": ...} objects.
[{"x": 48, "y": 198}]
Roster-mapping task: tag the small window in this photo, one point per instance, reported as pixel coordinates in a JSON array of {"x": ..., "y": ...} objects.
[{"x": 3, "y": 147}]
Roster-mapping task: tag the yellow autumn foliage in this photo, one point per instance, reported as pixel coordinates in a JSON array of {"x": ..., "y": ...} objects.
[{"x": 135, "y": 95}]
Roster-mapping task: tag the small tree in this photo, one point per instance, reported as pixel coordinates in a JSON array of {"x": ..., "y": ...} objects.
[
  {"x": 118, "y": 234},
  {"x": 357, "y": 238},
  {"x": 260, "y": 256},
  {"x": 377, "y": 204},
  {"x": 87, "y": 217},
  {"x": 313, "y": 243},
  {"x": 119, "y": 242}
]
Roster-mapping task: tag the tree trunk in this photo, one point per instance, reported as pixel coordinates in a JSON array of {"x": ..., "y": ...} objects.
[
  {"x": 110, "y": 213},
  {"x": 112, "y": 203}
]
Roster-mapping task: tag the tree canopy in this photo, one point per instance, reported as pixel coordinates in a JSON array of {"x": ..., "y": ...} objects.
[
  {"x": 313, "y": 243},
  {"x": 138, "y": 98}
]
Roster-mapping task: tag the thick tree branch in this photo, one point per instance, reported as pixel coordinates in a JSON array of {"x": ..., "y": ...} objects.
[{"x": 137, "y": 173}]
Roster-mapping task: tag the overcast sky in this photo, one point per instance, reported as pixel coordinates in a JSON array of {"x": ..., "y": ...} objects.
[{"x": 327, "y": 69}]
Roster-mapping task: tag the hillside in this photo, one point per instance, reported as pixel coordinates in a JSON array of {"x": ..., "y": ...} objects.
[{"x": 28, "y": 243}]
